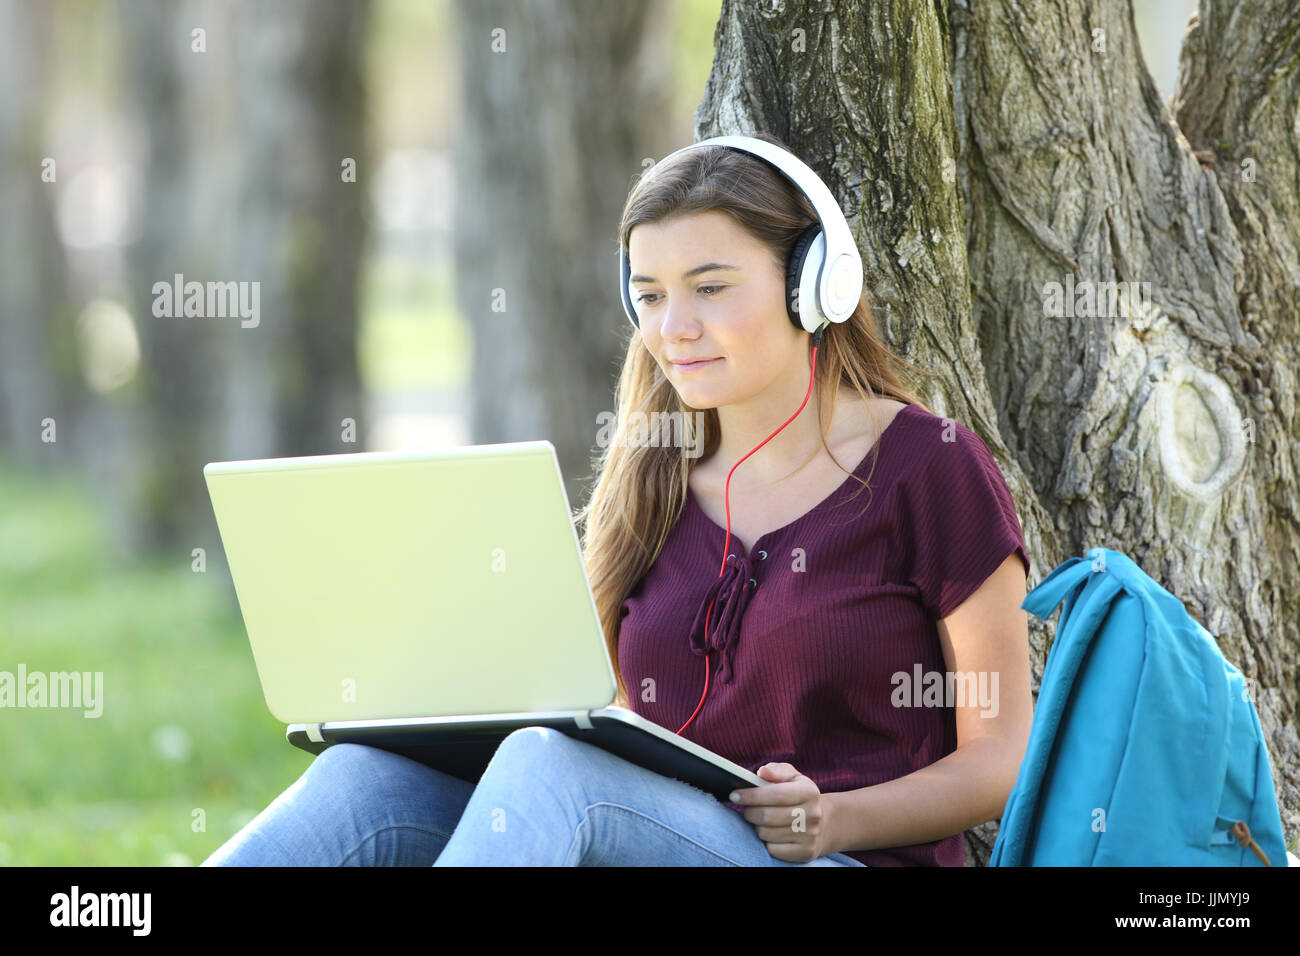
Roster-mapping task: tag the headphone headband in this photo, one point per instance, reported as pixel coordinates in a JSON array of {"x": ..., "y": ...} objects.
[{"x": 825, "y": 265}]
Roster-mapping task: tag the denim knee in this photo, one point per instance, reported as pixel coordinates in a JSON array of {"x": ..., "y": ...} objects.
[
  {"x": 532, "y": 753},
  {"x": 344, "y": 758},
  {"x": 528, "y": 743},
  {"x": 349, "y": 764}
]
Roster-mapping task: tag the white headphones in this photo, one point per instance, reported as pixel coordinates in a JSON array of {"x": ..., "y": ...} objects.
[{"x": 816, "y": 293}]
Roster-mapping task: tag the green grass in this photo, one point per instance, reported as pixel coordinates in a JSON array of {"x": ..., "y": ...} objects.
[{"x": 184, "y": 725}]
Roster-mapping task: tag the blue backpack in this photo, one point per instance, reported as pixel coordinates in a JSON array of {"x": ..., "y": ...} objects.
[{"x": 1145, "y": 748}]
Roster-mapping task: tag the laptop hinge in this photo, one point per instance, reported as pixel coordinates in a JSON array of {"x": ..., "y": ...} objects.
[
  {"x": 582, "y": 719},
  {"x": 314, "y": 734}
]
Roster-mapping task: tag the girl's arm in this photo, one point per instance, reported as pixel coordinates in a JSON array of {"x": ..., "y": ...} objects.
[{"x": 988, "y": 634}]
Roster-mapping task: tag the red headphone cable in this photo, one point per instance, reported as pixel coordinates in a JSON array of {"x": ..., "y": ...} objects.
[{"x": 817, "y": 336}]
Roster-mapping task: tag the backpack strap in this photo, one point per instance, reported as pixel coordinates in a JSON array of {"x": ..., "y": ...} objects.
[
  {"x": 1077, "y": 627},
  {"x": 1067, "y": 577}
]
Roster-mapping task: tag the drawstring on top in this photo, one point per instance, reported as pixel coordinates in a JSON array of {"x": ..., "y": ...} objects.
[{"x": 730, "y": 592}]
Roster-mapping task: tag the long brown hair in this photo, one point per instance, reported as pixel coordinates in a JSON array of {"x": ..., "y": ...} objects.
[{"x": 641, "y": 486}]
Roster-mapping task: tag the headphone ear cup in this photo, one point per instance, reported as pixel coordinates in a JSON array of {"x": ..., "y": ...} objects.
[
  {"x": 794, "y": 273},
  {"x": 625, "y": 275}
]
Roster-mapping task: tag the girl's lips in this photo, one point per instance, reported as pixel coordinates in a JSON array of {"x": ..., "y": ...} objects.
[{"x": 690, "y": 366}]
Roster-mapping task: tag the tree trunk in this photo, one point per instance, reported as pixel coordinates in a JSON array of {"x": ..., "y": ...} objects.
[
  {"x": 282, "y": 80},
  {"x": 152, "y": 461},
  {"x": 558, "y": 122},
  {"x": 1239, "y": 97},
  {"x": 301, "y": 229},
  {"x": 38, "y": 377},
  {"x": 984, "y": 150}
]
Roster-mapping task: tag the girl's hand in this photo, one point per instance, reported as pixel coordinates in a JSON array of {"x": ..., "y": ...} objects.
[{"x": 789, "y": 816}]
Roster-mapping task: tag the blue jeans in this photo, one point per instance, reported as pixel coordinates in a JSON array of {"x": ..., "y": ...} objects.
[{"x": 545, "y": 799}]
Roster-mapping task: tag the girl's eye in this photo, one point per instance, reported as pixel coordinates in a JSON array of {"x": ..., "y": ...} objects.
[{"x": 644, "y": 296}]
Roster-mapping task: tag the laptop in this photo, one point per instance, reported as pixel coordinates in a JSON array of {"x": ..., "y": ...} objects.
[{"x": 429, "y": 603}]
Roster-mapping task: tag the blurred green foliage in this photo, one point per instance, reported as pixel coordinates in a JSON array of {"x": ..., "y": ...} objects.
[{"x": 411, "y": 336}]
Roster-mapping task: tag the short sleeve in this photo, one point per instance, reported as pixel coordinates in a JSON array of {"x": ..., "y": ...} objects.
[{"x": 959, "y": 517}]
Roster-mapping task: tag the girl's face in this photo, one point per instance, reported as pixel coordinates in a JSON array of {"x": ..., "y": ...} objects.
[{"x": 703, "y": 288}]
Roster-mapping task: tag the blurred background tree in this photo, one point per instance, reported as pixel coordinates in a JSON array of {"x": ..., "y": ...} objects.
[
  {"x": 263, "y": 195},
  {"x": 540, "y": 184},
  {"x": 38, "y": 378}
]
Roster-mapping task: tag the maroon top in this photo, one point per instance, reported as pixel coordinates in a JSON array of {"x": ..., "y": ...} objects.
[{"x": 804, "y": 673}]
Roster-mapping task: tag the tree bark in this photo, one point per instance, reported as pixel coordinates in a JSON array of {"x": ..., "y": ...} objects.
[
  {"x": 301, "y": 228},
  {"x": 38, "y": 372},
  {"x": 982, "y": 150},
  {"x": 1239, "y": 97},
  {"x": 283, "y": 81},
  {"x": 557, "y": 125}
]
